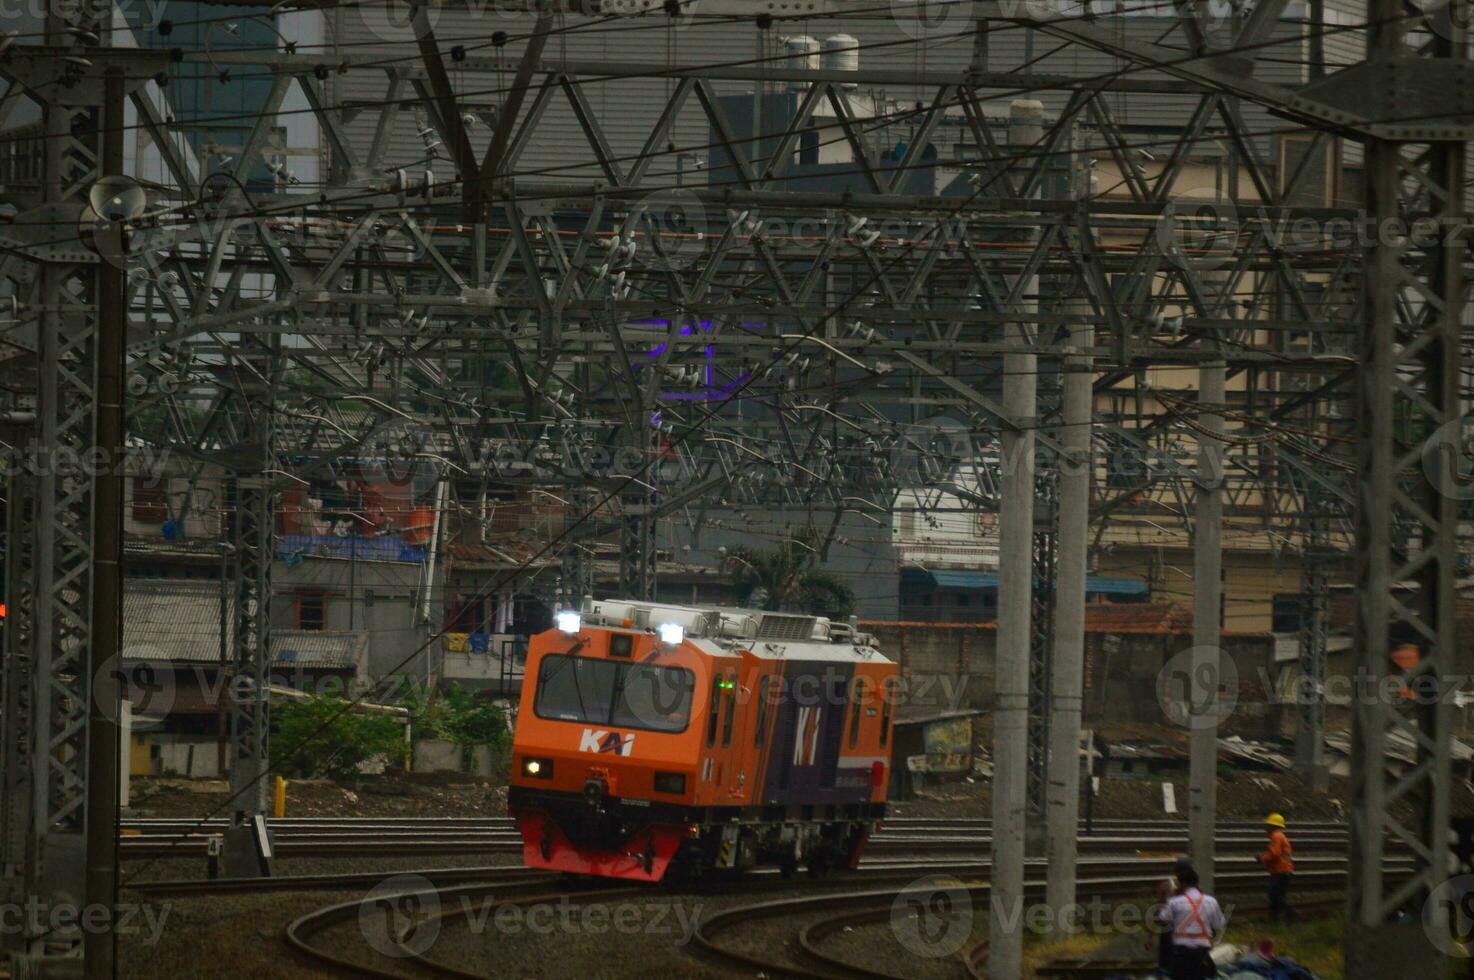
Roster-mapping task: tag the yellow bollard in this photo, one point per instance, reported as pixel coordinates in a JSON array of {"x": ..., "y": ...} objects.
[{"x": 280, "y": 807}]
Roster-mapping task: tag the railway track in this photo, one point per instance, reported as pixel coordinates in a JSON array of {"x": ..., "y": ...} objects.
[
  {"x": 1119, "y": 860},
  {"x": 496, "y": 823},
  {"x": 871, "y": 907},
  {"x": 540, "y": 888},
  {"x": 336, "y": 837},
  {"x": 359, "y": 845},
  {"x": 863, "y": 897}
]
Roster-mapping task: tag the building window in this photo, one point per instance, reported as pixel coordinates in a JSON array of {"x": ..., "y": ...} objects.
[
  {"x": 312, "y": 611},
  {"x": 467, "y": 615},
  {"x": 150, "y": 500},
  {"x": 1290, "y": 612}
]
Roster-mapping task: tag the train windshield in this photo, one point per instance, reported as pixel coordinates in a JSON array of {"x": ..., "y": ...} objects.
[{"x": 609, "y": 692}]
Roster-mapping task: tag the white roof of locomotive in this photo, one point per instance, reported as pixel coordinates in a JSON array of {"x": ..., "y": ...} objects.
[{"x": 771, "y": 635}]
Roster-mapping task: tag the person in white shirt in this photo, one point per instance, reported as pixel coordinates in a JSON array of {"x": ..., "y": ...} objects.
[
  {"x": 1162, "y": 916},
  {"x": 1197, "y": 923}
]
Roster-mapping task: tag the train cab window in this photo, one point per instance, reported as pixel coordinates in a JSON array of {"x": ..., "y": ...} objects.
[
  {"x": 650, "y": 696},
  {"x": 888, "y": 694},
  {"x": 856, "y": 710},
  {"x": 606, "y": 692},
  {"x": 714, "y": 709}
]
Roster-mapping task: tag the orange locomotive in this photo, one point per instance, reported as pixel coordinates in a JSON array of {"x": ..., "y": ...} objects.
[{"x": 652, "y": 737}]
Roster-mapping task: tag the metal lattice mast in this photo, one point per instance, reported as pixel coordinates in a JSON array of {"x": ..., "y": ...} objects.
[
  {"x": 576, "y": 565},
  {"x": 1408, "y": 418},
  {"x": 637, "y": 551},
  {"x": 65, "y": 406},
  {"x": 252, "y": 536},
  {"x": 105, "y": 653},
  {"x": 1041, "y": 646},
  {"x": 1310, "y": 683},
  {"x": 19, "y": 636}
]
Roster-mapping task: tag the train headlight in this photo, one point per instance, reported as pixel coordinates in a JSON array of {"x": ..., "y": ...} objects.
[
  {"x": 537, "y": 768},
  {"x": 568, "y": 622},
  {"x": 671, "y": 633}
]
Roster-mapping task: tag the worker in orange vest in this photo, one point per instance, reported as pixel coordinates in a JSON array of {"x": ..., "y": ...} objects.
[
  {"x": 1406, "y": 657},
  {"x": 1277, "y": 861}
]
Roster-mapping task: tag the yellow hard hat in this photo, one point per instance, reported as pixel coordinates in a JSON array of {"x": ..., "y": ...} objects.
[{"x": 1275, "y": 820}]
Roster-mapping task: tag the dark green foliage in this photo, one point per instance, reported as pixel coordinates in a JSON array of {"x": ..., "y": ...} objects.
[
  {"x": 454, "y": 715},
  {"x": 323, "y": 736},
  {"x": 787, "y": 579}
]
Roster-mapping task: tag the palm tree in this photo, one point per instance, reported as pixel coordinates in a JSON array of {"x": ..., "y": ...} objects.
[{"x": 787, "y": 579}]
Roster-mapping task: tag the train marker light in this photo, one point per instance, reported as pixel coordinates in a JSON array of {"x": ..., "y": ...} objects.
[
  {"x": 568, "y": 622},
  {"x": 671, "y": 633}
]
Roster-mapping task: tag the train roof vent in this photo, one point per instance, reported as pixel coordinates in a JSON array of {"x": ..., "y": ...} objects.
[{"x": 780, "y": 626}]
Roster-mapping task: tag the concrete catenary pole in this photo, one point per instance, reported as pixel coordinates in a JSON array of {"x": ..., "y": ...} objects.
[
  {"x": 1205, "y": 667},
  {"x": 1015, "y": 595},
  {"x": 1063, "y": 802}
]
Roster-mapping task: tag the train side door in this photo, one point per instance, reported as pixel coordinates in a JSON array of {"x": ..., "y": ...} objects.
[
  {"x": 740, "y": 760},
  {"x": 811, "y": 727},
  {"x": 837, "y": 709}
]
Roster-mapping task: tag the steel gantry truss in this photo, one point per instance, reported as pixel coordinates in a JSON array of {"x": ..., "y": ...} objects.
[
  {"x": 49, "y": 670},
  {"x": 653, "y": 350},
  {"x": 1409, "y": 439}
]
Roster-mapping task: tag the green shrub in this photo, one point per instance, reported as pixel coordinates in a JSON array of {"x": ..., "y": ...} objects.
[
  {"x": 323, "y": 736},
  {"x": 455, "y": 715}
]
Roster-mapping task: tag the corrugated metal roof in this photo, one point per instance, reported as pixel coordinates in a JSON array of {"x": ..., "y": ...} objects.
[
  {"x": 179, "y": 620},
  {"x": 174, "y": 619},
  {"x": 1157, "y": 618},
  {"x": 316, "y": 648}
]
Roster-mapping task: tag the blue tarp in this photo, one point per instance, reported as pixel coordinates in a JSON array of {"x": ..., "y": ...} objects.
[
  {"x": 1106, "y": 585},
  {"x": 293, "y": 548},
  {"x": 952, "y": 578},
  {"x": 949, "y": 578}
]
